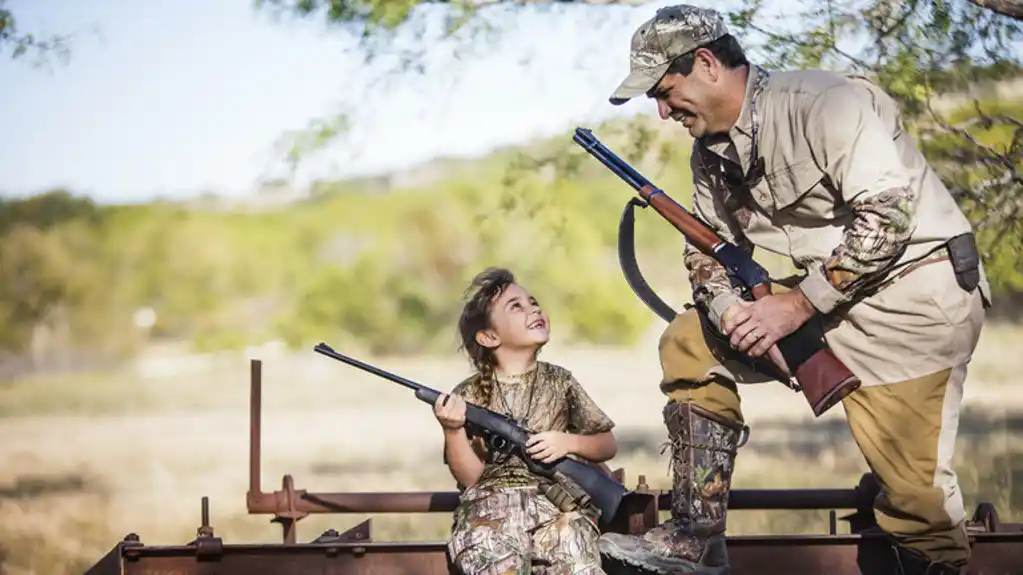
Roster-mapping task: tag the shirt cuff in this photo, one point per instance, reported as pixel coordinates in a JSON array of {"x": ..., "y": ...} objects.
[
  {"x": 818, "y": 290},
  {"x": 719, "y": 304}
]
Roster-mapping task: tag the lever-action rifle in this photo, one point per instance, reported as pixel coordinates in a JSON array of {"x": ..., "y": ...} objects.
[
  {"x": 505, "y": 435},
  {"x": 824, "y": 379}
]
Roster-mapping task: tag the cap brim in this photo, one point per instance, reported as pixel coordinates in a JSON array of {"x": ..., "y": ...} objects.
[{"x": 638, "y": 83}]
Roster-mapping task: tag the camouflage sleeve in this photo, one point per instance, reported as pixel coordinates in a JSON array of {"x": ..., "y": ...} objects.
[
  {"x": 856, "y": 149},
  {"x": 712, "y": 288},
  {"x": 584, "y": 415}
]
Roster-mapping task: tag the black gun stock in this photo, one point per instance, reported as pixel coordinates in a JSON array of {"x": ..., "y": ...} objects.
[{"x": 505, "y": 435}]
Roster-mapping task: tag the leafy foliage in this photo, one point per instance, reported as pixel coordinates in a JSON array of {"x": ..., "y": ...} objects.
[
  {"x": 21, "y": 44},
  {"x": 915, "y": 49},
  {"x": 354, "y": 263},
  {"x": 381, "y": 270}
]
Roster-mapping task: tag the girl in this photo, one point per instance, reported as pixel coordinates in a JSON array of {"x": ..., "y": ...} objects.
[{"x": 507, "y": 521}]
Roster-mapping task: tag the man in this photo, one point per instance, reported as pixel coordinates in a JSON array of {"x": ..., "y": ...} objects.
[{"x": 816, "y": 166}]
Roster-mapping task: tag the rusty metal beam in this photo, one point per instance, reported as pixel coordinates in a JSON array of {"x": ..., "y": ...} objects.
[
  {"x": 996, "y": 545},
  {"x": 289, "y": 505},
  {"x": 255, "y": 424},
  {"x": 446, "y": 501},
  {"x": 289, "y": 501},
  {"x": 993, "y": 554}
]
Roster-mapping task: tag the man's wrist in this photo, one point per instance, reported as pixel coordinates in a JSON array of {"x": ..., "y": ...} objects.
[
  {"x": 803, "y": 303},
  {"x": 817, "y": 290},
  {"x": 719, "y": 305}
]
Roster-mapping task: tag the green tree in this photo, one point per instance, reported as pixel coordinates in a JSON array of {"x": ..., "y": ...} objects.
[
  {"x": 21, "y": 44},
  {"x": 917, "y": 50}
]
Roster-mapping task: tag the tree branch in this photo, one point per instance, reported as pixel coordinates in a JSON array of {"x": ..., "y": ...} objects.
[{"x": 1011, "y": 8}]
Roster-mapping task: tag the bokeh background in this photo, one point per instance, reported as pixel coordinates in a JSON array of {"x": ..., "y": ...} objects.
[{"x": 190, "y": 184}]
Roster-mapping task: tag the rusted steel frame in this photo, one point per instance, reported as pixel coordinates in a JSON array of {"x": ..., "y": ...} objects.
[
  {"x": 255, "y": 424},
  {"x": 291, "y": 502},
  {"x": 289, "y": 505},
  {"x": 446, "y": 501},
  {"x": 811, "y": 554}
]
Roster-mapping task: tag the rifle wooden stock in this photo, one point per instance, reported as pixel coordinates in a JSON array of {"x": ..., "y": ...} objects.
[
  {"x": 699, "y": 235},
  {"x": 824, "y": 379},
  {"x": 702, "y": 237}
]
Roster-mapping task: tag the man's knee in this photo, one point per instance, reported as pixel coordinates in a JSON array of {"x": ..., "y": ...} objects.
[
  {"x": 692, "y": 371},
  {"x": 717, "y": 395},
  {"x": 684, "y": 351}
]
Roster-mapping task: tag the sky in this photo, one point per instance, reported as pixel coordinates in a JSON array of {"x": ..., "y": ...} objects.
[{"x": 174, "y": 98}]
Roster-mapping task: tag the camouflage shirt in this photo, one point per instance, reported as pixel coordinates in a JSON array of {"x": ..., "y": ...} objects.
[{"x": 544, "y": 399}]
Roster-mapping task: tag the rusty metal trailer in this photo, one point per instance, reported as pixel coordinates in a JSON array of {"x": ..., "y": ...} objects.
[{"x": 997, "y": 546}]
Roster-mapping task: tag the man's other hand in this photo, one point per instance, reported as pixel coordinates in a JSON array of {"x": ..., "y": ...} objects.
[{"x": 755, "y": 327}]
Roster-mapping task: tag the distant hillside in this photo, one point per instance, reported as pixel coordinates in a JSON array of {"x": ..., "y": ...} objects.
[
  {"x": 376, "y": 262},
  {"x": 383, "y": 270}
]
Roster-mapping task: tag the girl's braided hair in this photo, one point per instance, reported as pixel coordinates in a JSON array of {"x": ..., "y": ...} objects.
[{"x": 485, "y": 288}]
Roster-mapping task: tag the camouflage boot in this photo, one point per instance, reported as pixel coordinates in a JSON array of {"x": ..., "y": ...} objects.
[{"x": 693, "y": 540}]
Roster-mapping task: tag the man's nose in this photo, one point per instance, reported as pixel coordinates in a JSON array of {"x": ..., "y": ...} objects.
[{"x": 663, "y": 109}]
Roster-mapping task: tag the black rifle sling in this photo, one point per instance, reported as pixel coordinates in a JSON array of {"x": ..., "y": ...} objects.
[
  {"x": 639, "y": 285},
  {"x": 630, "y": 267}
]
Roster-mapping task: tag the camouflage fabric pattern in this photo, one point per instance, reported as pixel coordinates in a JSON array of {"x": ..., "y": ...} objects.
[
  {"x": 672, "y": 32},
  {"x": 881, "y": 227},
  {"x": 706, "y": 276},
  {"x": 544, "y": 399},
  {"x": 517, "y": 530},
  {"x": 504, "y": 522},
  {"x": 703, "y": 458},
  {"x": 692, "y": 540}
]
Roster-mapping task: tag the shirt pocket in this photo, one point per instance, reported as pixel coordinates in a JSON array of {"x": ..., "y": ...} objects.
[{"x": 790, "y": 181}]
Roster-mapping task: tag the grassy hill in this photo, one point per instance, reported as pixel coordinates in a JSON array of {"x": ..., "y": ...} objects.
[
  {"x": 379, "y": 262},
  {"x": 350, "y": 263}
]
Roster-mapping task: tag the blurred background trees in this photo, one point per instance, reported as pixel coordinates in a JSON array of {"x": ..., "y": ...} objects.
[{"x": 382, "y": 264}]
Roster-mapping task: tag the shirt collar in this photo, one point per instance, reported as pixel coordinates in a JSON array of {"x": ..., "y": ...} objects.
[{"x": 739, "y": 138}]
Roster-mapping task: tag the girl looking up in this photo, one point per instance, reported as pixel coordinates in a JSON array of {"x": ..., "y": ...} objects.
[{"x": 510, "y": 520}]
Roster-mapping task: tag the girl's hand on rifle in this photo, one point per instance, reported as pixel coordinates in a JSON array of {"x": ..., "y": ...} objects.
[
  {"x": 450, "y": 411},
  {"x": 549, "y": 446}
]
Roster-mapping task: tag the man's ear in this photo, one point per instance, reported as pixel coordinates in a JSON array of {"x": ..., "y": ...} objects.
[
  {"x": 704, "y": 60},
  {"x": 487, "y": 338}
]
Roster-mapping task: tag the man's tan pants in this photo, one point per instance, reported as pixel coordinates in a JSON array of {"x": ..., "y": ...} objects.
[{"x": 906, "y": 431}]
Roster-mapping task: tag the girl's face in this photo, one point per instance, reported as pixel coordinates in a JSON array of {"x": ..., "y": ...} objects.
[{"x": 516, "y": 321}]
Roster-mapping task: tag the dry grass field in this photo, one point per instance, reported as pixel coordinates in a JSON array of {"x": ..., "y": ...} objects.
[{"x": 86, "y": 460}]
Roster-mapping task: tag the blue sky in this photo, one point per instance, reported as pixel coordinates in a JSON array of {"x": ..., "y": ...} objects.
[{"x": 184, "y": 96}]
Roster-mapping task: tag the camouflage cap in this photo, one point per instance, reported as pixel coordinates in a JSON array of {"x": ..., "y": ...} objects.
[{"x": 672, "y": 32}]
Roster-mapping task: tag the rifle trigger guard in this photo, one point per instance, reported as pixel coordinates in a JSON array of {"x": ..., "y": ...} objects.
[{"x": 499, "y": 444}]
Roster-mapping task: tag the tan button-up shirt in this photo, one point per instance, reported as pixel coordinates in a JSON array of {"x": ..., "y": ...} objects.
[{"x": 838, "y": 185}]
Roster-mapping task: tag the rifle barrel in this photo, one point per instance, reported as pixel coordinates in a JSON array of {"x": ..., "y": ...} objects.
[
  {"x": 621, "y": 168},
  {"x": 323, "y": 348}
]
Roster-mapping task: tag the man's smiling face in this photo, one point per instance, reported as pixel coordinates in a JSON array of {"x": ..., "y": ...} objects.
[{"x": 693, "y": 99}]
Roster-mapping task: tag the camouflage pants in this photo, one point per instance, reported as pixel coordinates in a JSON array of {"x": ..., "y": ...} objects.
[{"x": 518, "y": 530}]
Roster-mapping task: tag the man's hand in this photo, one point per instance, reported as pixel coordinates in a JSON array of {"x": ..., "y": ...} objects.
[
  {"x": 549, "y": 446},
  {"x": 755, "y": 327}
]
